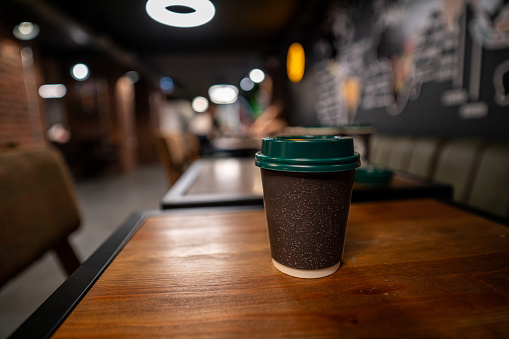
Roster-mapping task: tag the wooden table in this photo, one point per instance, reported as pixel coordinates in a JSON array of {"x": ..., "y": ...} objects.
[
  {"x": 415, "y": 268},
  {"x": 237, "y": 181}
]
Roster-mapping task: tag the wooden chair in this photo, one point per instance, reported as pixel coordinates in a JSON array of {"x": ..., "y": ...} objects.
[
  {"x": 38, "y": 210},
  {"x": 176, "y": 152}
]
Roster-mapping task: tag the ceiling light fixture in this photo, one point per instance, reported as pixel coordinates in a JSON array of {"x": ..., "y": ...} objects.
[
  {"x": 170, "y": 13},
  {"x": 200, "y": 104},
  {"x": 26, "y": 31},
  {"x": 257, "y": 75},
  {"x": 80, "y": 72},
  {"x": 52, "y": 91},
  {"x": 295, "y": 62},
  {"x": 223, "y": 94}
]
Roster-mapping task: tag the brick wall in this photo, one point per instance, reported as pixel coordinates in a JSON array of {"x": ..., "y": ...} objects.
[{"x": 20, "y": 106}]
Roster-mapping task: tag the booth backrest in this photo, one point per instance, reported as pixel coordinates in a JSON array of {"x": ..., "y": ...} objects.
[
  {"x": 490, "y": 188},
  {"x": 456, "y": 165},
  {"x": 423, "y": 157},
  {"x": 477, "y": 169},
  {"x": 382, "y": 151},
  {"x": 401, "y": 149}
]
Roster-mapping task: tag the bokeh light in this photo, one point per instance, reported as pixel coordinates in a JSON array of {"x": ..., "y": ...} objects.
[
  {"x": 200, "y": 104},
  {"x": 257, "y": 75},
  {"x": 247, "y": 84},
  {"x": 223, "y": 94},
  {"x": 52, "y": 91},
  {"x": 26, "y": 31},
  {"x": 166, "y": 84},
  {"x": 80, "y": 72}
]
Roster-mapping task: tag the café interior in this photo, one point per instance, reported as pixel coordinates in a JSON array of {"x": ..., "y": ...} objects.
[{"x": 111, "y": 109}]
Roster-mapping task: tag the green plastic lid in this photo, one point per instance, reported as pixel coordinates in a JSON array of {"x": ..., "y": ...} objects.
[{"x": 308, "y": 153}]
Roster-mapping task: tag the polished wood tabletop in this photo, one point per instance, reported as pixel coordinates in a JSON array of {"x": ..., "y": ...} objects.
[
  {"x": 414, "y": 269},
  {"x": 237, "y": 181}
]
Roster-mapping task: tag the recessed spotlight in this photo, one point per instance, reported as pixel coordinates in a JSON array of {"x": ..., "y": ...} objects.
[
  {"x": 26, "y": 31},
  {"x": 223, "y": 94},
  {"x": 257, "y": 75},
  {"x": 171, "y": 13},
  {"x": 80, "y": 72}
]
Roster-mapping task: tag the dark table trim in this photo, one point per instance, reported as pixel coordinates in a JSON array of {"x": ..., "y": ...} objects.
[
  {"x": 430, "y": 189},
  {"x": 478, "y": 212},
  {"x": 175, "y": 197},
  {"x": 51, "y": 314},
  {"x": 46, "y": 319}
]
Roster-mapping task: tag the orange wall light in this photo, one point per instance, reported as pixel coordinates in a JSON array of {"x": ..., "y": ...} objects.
[{"x": 295, "y": 62}]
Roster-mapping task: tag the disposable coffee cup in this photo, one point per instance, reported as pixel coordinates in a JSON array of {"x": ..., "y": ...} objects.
[{"x": 307, "y": 187}]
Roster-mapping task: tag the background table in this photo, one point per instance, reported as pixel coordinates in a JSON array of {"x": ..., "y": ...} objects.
[
  {"x": 237, "y": 181},
  {"x": 416, "y": 268}
]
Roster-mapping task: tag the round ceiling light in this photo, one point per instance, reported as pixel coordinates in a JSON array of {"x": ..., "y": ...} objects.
[{"x": 167, "y": 12}]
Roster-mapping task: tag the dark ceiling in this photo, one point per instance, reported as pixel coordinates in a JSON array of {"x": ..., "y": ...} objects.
[{"x": 242, "y": 35}]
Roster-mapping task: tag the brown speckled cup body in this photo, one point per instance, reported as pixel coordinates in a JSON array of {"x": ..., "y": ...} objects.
[{"x": 307, "y": 214}]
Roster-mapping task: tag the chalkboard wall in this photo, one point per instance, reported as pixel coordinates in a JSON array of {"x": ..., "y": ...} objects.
[{"x": 433, "y": 67}]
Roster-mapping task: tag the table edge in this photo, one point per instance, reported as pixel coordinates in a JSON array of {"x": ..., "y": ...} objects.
[
  {"x": 183, "y": 183},
  {"x": 175, "y": 198},
  {"x": 46, "y": 319}
]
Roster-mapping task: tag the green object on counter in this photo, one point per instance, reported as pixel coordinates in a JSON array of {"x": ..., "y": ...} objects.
[
  {"x": 308, "y": 153},
  {"x": 372, "y": 175}
]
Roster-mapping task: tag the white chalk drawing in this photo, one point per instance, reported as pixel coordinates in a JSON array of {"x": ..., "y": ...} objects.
[
  {"x": 501, "y": 93},
  {"x": 490, "y": 26},
  {"x": 389, "y": 68}
]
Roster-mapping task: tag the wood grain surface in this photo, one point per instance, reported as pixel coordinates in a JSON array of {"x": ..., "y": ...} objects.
[{"x": 413, "y": 269}]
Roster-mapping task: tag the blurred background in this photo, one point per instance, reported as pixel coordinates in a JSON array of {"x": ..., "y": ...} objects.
[
  {"x": 419, "y": 67},
  {"x": 103, "y": 81}
]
